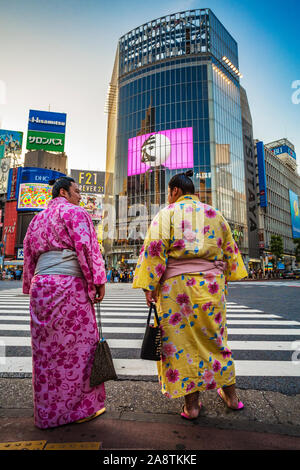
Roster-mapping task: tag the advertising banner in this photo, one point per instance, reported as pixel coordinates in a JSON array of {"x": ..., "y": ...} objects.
[
  {"x": 93, "y": 205},
  {"x": 47, "y": 121},
  {"x": 48, "y": 141},
  {"x": 89, "y": 181},
  {"x": 12, "y": 183},
  {"x": 295, "y": 214},
  {"x": 10, "y": 227},
  {"x": 5, "y": 164},
  {"x": 12, "y": 141},
  {"x": 262, "y": 174},
  {"x": 171, "y": 149},
  {"x": 34, "y": 196},
  {"x": 33, "y": 191},
  {"x": 284, "y": 149}
]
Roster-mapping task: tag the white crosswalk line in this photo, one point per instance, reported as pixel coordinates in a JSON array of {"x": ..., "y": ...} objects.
[{"x": 124, "y": 317}]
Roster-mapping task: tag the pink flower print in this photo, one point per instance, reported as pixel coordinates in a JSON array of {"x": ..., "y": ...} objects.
[
  {"x": 190, "y": 386},
  {"x": 210, "y": 277},
  {"x": 236, "y": 250},
  {"x": 169, "y": 350},
  {"x": 191, "y": 282},
  {"x": 179, "y": 244},
  {"x": 175, "y": 318},
  {"x": 218, "y": 318},
  {"x": 222, "y": 330},
  {"x": 208, "y": 376},
  {"x": 223, "y": 225},
  {"x": 189, "y": 209},
  {"x": 216, "y": 366},
  {"x": 166, "y": 288},
  {"x": 172, "y": 375},
  {"x": 229, "y": 248},
  {"x": 206, "y": 229},
  {"x": 211, "y": 386},
  {"x": 219, "y": 243},
  {"x": 219, "y": 341},
  {"x": 182, "y": 299},
  {"x": 160, "y": 269},
  {"x": 185, "y": 225},
  {"x": 210, "y": 213},
  {"x": 213, "y": 288},
  {"x": 171, "y": 206},
  {"x": 206, "y": 306},
  {"x": 186, "y": 310},
  {"x": 155, "y": 248},
  {"x": 226, "y": 353},
  {"x": 189, "y": 235},
  {"x": 142, "y": 250}
]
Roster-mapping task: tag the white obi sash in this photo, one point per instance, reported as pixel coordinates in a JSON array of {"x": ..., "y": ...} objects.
[{"x": 58, "y": 262}]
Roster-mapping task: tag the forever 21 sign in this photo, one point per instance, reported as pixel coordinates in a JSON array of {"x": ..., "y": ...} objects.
[{"x": 89, "y": 181}]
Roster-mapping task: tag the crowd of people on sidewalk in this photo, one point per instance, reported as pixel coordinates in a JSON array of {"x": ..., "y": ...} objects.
[
  {"x": 265, "y": 274},
  {"x": 119, "y": 275},
  {"x": 11, "y": 274}
]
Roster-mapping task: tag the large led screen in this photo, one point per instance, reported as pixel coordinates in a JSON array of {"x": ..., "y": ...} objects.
[
  {"x": 34, "y": 196},
  {"x": 172, "y": 149},
  {"x": 295, "y": 214}
]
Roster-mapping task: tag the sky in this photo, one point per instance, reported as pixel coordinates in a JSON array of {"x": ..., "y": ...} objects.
[{"x": 59, "y": 55}]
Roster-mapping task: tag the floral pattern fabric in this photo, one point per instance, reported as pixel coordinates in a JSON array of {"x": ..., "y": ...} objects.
[
  {"x": 64, "y": 332},
  {"x": 191, "y": 307}
]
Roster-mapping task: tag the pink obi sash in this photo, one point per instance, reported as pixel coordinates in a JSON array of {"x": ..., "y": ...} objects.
[{"x": 176, "y": 266}]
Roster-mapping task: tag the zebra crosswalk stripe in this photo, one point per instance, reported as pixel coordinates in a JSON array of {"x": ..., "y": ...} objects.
[{"x": 124, "y": 319}]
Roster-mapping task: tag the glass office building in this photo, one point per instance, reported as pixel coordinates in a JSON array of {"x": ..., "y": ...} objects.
[{"x": 174, "y": 104}]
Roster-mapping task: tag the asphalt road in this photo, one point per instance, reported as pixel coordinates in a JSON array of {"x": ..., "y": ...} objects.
[{"x": 271, "y": 297}]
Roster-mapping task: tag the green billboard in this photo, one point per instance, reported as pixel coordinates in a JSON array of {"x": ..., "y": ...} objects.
[{"x": 49, "y": 141}]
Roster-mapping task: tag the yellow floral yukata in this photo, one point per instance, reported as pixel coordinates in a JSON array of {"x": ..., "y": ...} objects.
[{"x": 191, "y": 307}]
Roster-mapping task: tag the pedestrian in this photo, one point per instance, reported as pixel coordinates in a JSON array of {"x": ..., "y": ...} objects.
[
  {"x": 109, "y": 275},
  {"x": 187, "y": 259},
  {"x": 18, "y": 274},
  {"x": 64, "y": 274}
]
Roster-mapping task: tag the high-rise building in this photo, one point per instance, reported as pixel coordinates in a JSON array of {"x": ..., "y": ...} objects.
[
  {"x": 279, "y": 193},
  {"x": 173, "y": 104}
]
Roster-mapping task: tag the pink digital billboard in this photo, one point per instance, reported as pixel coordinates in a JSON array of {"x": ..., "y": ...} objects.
[{"x": 172, "y": 149}]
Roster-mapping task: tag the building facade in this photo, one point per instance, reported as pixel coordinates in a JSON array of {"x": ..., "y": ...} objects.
[
  {"x": 278, "y": 180},
  {"x": 173, "y": 104}
]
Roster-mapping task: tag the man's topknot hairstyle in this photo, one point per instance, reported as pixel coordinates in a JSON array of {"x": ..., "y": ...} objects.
[
  {"x": 63, "y": 182},
  {"x": 183, "y": 182}
]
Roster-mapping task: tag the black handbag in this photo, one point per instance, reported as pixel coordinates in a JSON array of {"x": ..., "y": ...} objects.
[
  {"x": 151, "y": 346},
  {"x": 103, "y": 367}
]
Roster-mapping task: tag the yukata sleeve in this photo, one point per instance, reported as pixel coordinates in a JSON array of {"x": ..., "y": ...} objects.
[
  {"x": 83, "y": 235},
  {"x": 29, "y": 262},
  {"x": 153, "y": 257},
  {"x": 235, "y": 268}
]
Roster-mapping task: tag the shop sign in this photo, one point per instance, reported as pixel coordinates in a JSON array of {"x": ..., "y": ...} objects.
[{"x": 48, "y": 141}]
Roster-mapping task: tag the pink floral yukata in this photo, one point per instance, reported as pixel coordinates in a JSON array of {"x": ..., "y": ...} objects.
[{"x": 64, "y": 332}]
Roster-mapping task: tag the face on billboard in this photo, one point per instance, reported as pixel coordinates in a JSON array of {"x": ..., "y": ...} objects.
[{"x": 172, "y": 149}]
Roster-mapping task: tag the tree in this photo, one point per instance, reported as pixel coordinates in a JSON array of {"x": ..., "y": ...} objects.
[
  {"x": 276, "y": 247},
  {"x": 297, "y": 249}
]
